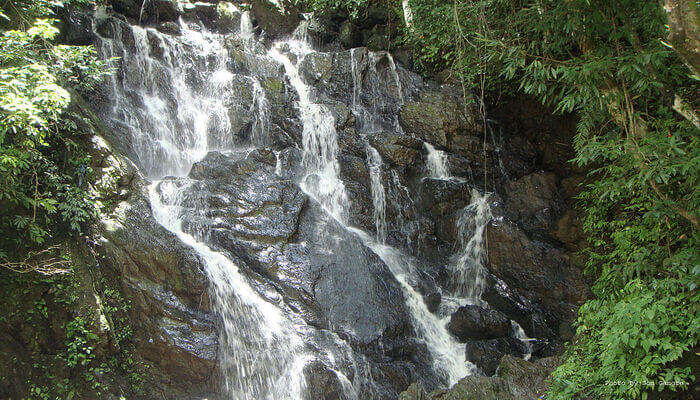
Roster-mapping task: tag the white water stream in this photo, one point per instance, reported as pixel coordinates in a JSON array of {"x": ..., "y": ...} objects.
[
  {"x": 323, "y": 184},
  {"x": 173, "y": 102},
  {"x": 261, "y": 353}
]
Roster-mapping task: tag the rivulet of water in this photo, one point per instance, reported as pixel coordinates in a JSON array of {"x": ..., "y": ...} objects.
[{"x": 468, "y": 266}]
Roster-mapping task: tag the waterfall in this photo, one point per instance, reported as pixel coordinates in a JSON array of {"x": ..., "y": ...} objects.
[
  {"x": 172, "y": 97},
  {"x": 374, "y": 161},
  {"x": 437, "y": 162},
  {"x": 468, "y": 266},
  {"x": 320, "y": 148},
  {"x": 449, "y": 357},
  {"x": 261, "y": 355},
  {"x": 319, "y": 138},
  {"x": 171, "y": 101},
  {"x": 519, "y": 333}
]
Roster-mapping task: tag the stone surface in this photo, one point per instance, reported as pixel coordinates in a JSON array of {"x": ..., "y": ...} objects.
[
  {"x": 323, "y": 384},
  {"x": 538, "y": 271},
  {"x": 487, "y": 354},
  {"x": 166, "y": 285},
  {"x": 474, "y": 322},
  {"x": 534, "y": 201},
  {"x": 272, "y": 20},
  {"x": 517, "y": 380},
  {"x": 438, "y": 117}
]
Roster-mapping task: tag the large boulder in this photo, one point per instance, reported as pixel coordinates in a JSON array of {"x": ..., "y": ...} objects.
[
  {"x": 240, "y": 205},
  {"x": 129, "y": 8},
  {"x": 517, "y": 380},
  {"x": 439, "y": 116},
  {"x": 474, "y": 322},
  {"x": 275, "y": 21},
  {"x": 487, "y": 354},
  {"x": 536, "y": 270},
  {"x": 166, "y": 284},
  {"x": 322, "y": 383},
  {"x": 534, "y": 201}
]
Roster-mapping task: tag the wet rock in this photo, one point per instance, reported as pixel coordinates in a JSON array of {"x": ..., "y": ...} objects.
[
  {"x": 534, "y": 201},
  {"x": 205, "y": 12},
  {"x": 538, "y": 271},
  {"x": 129, "y": 8},
  {"x": 76, "y": 27},
  {"x": 441, "y": 201},
  {"x": 169, "y": 27},
  {"x": 398, "y": 150},
  {"x": 414, "y": 392},
  {"x": 349, "y": 35},
  {"x": 432, "y": 301},
  {"x": 516, "y": 307},
  {"x": 474, "y": 322},
  {"x": 321, "y": 70},
  {"x": 517, "y": 380},
  {"x": 229, "y": 17},
  {"x": 267, "y": 223},
  {"x": 166, "y": 10},
  {"x": 322, "y": 383},
  {"x": 487, "y": 354},
  {"x": 106, "y": 27},
  {"x": 166, "y": 286},
  {"x": 275, "y": 22},
  {"x": 438, "y": 117}
]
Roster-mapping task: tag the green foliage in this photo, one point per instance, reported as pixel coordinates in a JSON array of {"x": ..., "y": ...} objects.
[
  {"x": 66, "y": 356},
  {"x": 44, "y": 166}
]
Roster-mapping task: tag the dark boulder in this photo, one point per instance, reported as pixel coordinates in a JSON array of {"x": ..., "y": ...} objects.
[
  {"x": 129, "y": 8},
  {"x": 275, "y": 22},
  {"x": 474, "y": 322},
  {"x": 322, "y": 383},
  {"x": 487, "y": 354},
  {"x": 398, "y": 150},
  {"x": 167, "y": 287},
  {"x": 166, "y": 10},
  {"x": 432, "y": 301},
  {"x": 534, "y": 201},
  {"x": 272, "y": 228},
  {"x": 538, "y": 271},
  {"x": 439, "y": 117},
  {"x": 517, "y": 379},
  {"x": 76, "y": 27}
]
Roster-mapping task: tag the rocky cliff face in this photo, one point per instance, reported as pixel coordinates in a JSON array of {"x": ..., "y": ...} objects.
[{"x": 365, "y": 289}]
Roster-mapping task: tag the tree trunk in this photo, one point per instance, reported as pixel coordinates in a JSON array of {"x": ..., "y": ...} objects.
[{"x": 684, "y": 31}]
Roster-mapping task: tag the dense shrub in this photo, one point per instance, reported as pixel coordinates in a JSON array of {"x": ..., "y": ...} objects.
[{"x": 44, "y": 165}]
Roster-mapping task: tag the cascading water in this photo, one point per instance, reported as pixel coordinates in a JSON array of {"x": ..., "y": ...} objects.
[
  {"x": 437, "y": 162},
  {"x": 374, "y": 160},
  {"x": 448, "y": 355},
  {"x": 172, "y": 103},
  {"x": 261, "y": 354},
  {"x": 319, "y": 138},
  {"x": 320, "y": 147},
  {"x": 468, "y": 266},
  {"x": 172, "y": 96}
]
